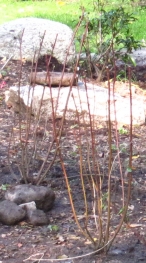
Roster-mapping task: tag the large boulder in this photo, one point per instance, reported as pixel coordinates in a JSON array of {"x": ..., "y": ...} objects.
[
  {"x": 97, "y": 100},
  {"x": 32, "y": 31},
  {"x": 43, "y": 196}
]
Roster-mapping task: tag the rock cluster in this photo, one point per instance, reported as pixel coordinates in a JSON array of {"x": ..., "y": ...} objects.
[
  {"x": 27, "y": 202},
  {"x": 10, "y": 213}
]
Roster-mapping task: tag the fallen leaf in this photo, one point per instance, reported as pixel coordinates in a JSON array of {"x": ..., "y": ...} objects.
[
  {"x": 135, "y": 156},
  {"x": 2, "y": 246},
  {"x": 73, "y": 237},
  {"x": 62, "y": 257},
  {"x": 135, "y": 225},
  {"x": 3, "y": 235},
  {"x": 88, "y": 242},
  {"x": 12, "y": 151},
  {"x": 26, "y": 141},
  {"x": 133, "y": 168},
  {"x": 19, "y": 245},
  {"x": 3, "y": 59},
  {"x": 23, "y": 223},
  {"x": 15, "y": 129},
  {"x": 60, "y": 238},
  {"x": 131, "y": 207},
  {"x": 2, "y": 84},
  {"x": 62, "y": 214}
]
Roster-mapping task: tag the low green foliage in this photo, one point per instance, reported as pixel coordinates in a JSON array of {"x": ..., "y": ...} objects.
[
  {"x": 4, "y": 187},
  {"x": 129, "y": 170},
  {"x": 4, "y": 73},
  {"x": 123, "y": 131},
  {"x": 122, "y": 148},
  {"x": 53, "y": 228}
]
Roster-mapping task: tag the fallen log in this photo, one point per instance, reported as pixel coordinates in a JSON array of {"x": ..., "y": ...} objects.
[{"x": 53, "y": 79}]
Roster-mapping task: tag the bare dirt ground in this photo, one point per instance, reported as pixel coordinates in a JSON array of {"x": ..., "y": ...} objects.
[{"x": 61, "y": 240}]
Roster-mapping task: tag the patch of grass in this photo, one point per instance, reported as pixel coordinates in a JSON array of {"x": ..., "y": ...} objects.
[
  {"x": 138, "y": 28},
  {"x": 69, "y": 11}
]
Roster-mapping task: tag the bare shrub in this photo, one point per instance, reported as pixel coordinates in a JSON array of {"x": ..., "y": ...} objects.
[{"x": 38, "y": 142}]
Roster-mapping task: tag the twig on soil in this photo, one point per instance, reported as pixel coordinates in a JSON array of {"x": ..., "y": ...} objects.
[
  {"x": 6, "y": 63},
  {"x": 61, "y": 259}
]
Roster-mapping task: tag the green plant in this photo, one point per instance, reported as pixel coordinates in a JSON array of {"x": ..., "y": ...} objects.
[
  {"x": 114, "y": 147},
  {"x": 53, "y": 228},
  {"x": 123, "y": 131},
  {"x": 122, "y": 147},
  {"x": 4, "y": 73},
  {"x": 108, "y": 34},
  {"x": 104, "y": 201},
  {"x": 4, "y": 187}
]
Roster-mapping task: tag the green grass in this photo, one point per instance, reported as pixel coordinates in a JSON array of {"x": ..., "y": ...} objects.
[
  {"x": 139, "y": 27},
  {"x": 67, "y": 11},
  {"x": 63, "y": 11}
]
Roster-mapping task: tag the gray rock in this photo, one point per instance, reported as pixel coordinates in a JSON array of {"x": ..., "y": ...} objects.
[
  {"x": 37, "y": 217},
  {"x": 43, "y": 196},
  {"x": 28, "y": 206},
  {"x": 34, "y": 30},
  {"x": 34, "y": 216},
  {"x": 11, "y": 213},
  {"x": 116, "y": 251},
  {"x": 138, "y": 56},
  {"x": 97, "y": 97}
]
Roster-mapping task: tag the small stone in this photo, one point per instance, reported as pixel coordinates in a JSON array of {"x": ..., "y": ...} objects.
[
  {"x": 3, "y": 235},
  {"x": 37, "y": 217},
  {"x": 28, "y": 206},
  {"x": 11, "y": 213},
  {"x": 116, "y": 251}
]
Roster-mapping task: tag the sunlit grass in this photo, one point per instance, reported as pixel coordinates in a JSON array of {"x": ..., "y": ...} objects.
[
  {"x": 68, "y": 11},
  {"x": 139, "y": 27}
]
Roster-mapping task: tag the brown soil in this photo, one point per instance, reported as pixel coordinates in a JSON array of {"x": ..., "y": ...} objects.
[{"x": 61, "y": 239}]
